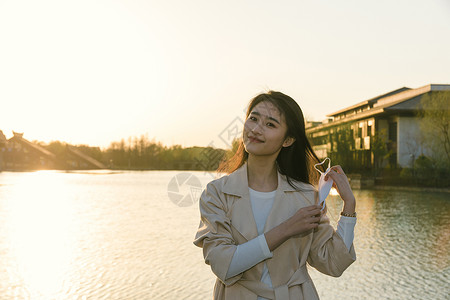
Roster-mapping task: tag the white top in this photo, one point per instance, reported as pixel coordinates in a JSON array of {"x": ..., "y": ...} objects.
[{"x": 256, "y": 250}]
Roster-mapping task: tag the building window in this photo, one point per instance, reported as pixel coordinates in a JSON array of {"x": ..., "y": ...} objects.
[{"x": 393, "y": 131}]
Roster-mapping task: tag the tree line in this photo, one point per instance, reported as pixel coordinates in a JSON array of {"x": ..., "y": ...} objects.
[{"x": 141, "y": 153}]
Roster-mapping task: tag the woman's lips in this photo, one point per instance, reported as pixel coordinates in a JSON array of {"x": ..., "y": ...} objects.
[{"x": 254, "y": 140}]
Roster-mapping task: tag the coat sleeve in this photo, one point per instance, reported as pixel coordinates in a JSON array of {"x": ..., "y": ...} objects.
[
  {"x": 214, "y": 234},
  {"x": 328, "y": 252}
]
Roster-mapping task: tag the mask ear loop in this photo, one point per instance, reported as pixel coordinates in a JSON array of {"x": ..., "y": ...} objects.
[
  {"x": 323, "y": 173},
  {"x": 329, "y": 164}
]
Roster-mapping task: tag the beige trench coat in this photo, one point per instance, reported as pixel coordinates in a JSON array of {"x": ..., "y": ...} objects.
[{"x": 227, "y": 221}]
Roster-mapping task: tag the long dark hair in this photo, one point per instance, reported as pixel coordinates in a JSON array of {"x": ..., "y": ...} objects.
[{"x": 295, "y": 161}]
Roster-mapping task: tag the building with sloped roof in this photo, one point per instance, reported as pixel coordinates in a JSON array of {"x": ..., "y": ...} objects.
[
  {"x": 22, "y": 154},
  {"x": 392, "y": 117},
  {"x": 18, "y": 154}
]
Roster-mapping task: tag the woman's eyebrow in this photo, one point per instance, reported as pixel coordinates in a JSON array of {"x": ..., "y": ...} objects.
[{"x": 271, "y": 118}]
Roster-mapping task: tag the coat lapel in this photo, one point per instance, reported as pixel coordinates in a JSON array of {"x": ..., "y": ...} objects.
[{"x": 242, "y": 214}]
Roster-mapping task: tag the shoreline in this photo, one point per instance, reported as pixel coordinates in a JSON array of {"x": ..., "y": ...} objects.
[
  {"x": 364, "y": 187},
  {"x": 408, "y": 188}
]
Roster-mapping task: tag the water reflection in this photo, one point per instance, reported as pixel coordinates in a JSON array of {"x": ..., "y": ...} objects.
[
  {"x": 401, "y": 241},
  {"x": 118, "y": 236},
  {"x": 40, "y": 232}
]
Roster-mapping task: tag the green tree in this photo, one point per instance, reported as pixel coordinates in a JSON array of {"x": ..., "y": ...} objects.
[
  {"x": 343, "y": 152},
  {"x": 379, "y": 149},
  {"x": 435, "y": 126}
]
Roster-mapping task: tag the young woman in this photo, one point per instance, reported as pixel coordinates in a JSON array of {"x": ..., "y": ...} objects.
[{"x": 261, "y": 223}]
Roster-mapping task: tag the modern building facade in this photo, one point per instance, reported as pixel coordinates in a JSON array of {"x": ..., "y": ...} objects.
[{"x": 388, "y": 120}]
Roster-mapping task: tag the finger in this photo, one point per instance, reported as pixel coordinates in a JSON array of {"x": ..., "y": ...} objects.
[
  {"x": 338, "y": 169},
  {"x": 310, "y": 218},
  {"x": 312, "y": 207},
  {"x": 315, "y": 219},
  {"x": 314, "y": 212},
  {"x": 332, "y": 173},
  {"x": 309, "y": 211}
]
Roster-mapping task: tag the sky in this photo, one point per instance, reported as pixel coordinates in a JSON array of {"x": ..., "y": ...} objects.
[{"x": 182, "y": 72}]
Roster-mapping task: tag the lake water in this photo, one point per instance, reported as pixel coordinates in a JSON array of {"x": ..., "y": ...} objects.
[{"x": 128, "y": 235}]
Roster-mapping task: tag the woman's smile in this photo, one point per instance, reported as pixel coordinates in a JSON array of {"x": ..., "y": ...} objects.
[{"x": 254, "y": 140}]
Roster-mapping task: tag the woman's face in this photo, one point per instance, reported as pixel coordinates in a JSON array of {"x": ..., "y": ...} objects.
[{"x": 265, "y": 130}]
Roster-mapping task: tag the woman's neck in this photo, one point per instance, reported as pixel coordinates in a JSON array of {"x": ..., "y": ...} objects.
[{"x": 262, "y": 174}]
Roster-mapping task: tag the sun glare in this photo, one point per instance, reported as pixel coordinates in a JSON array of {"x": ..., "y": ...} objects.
[
  {"x": 334, "y": 192},
  {"x": 40, "y": 238}
]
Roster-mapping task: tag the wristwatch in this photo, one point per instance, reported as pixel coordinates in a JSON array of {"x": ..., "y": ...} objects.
[{"x": 348, "y": 215}]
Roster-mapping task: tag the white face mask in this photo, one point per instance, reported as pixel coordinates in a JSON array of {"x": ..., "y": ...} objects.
[{"x": 324, "y": 186}]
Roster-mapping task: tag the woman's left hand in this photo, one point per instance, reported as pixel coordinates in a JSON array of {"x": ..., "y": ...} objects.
[{"x": 341, "y": 184}]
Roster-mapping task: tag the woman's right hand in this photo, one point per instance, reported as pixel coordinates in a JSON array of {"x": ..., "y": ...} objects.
[{"x": 304, "y": 220}]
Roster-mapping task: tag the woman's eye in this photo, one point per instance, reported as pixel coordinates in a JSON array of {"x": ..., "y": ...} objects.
[
  {"x": 270, "y": 124},
  {"x": 252, "y": 118}
]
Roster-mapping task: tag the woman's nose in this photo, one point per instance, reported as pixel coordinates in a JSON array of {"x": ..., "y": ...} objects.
[{"x": 256, "y": 128}]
